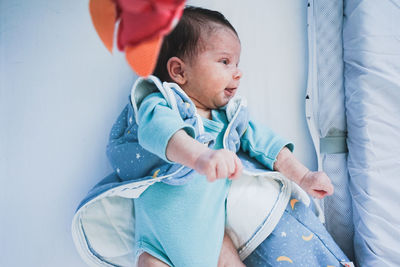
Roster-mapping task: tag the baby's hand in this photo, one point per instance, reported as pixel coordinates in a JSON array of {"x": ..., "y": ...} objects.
[
  {"x": 217, "y": 164},
  {"x": 317, "y": 184}
]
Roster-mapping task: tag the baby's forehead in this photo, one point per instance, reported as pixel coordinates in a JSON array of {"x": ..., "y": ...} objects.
[
  {"x": 213, "y": 28},
  {"x": 211, "y": 37}
]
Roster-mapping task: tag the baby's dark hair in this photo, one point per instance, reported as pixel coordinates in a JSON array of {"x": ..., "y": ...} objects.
[{"x": 183, "y": 41}]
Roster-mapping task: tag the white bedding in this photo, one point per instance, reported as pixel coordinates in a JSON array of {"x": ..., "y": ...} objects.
[{"x": 371, "y": 38}]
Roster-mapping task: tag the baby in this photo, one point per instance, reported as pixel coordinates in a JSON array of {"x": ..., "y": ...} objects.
[{"x": 183, "y": 225}]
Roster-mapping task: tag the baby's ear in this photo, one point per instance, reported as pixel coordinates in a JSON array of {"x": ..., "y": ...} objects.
[{"x": 176, "y": 70}]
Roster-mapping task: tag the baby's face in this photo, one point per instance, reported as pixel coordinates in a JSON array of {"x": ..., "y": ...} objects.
[{"x": 213, "y": 75}]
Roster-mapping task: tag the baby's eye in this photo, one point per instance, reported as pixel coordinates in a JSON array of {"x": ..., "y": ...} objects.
[{"x": 224, "y": 61}]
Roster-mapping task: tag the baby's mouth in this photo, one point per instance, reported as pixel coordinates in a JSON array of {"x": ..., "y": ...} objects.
[{"x": 230, "y": 91}]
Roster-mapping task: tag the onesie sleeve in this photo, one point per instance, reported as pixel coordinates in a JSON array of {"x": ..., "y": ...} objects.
[
  {"x": 157, "y": 123},
  {"x": 261, "y": 143}
]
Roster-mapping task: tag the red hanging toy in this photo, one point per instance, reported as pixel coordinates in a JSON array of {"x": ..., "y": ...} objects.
[{"x": 142, "y": 27}]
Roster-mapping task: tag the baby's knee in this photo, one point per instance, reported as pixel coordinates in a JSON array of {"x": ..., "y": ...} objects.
[{"x": 146, "y": 260}]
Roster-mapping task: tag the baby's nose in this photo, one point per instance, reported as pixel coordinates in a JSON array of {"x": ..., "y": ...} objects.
[{"x": 238, "y": 74}]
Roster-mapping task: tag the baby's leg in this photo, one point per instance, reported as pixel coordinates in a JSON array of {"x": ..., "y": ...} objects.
[
  {"x": 229, "y": 256},
  {"x": 146, "y": 260}
]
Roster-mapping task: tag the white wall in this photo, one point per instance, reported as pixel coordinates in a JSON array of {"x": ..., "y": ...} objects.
[{"x": 61, "y": 91}]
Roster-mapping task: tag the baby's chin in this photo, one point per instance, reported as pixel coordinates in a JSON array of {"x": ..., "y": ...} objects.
[{"x": 223, "y": 103}]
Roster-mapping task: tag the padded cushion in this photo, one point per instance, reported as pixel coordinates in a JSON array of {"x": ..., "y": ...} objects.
[{"x": 371, "y": 38}]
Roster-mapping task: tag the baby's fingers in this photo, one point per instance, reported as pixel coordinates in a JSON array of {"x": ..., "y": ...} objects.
[
  {"x": 322, "y": 190},
  {"x": 211, "y": 173},
  {"x": 222, "y": 170},
  {"x": 238, "y": 168},
  {"x": 318, "y": 193},
  {"x": 326, "y": 184}
]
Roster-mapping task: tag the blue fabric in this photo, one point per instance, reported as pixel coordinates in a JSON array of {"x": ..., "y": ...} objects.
[
  {"x": 299, "y": 239},
  {"x": 152, "y": 113},
  {"x": 371, "y": 40},
  {"x": 135, "y": 169},
  {"x": 238, "y": 128},
  {"x": 184, "y": 225},
  {"x": 258, "y": 139}
]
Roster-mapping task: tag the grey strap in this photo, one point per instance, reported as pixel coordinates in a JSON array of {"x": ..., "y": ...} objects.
[{"x": 333, "y": 145}]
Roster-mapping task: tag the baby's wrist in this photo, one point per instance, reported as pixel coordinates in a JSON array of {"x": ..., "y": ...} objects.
[
  {"x": 304, "y": 177},
  {"x": 201, "y": 155}
]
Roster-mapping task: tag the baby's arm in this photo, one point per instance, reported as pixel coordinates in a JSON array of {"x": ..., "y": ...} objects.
[
  {"x": 163, "y": 132},
  {"x": 214, "y": 164},
  {"x": 317, "y": 184}
]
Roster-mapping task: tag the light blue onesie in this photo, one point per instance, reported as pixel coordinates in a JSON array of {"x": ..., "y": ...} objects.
[{"x": 184, "y": 225}]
